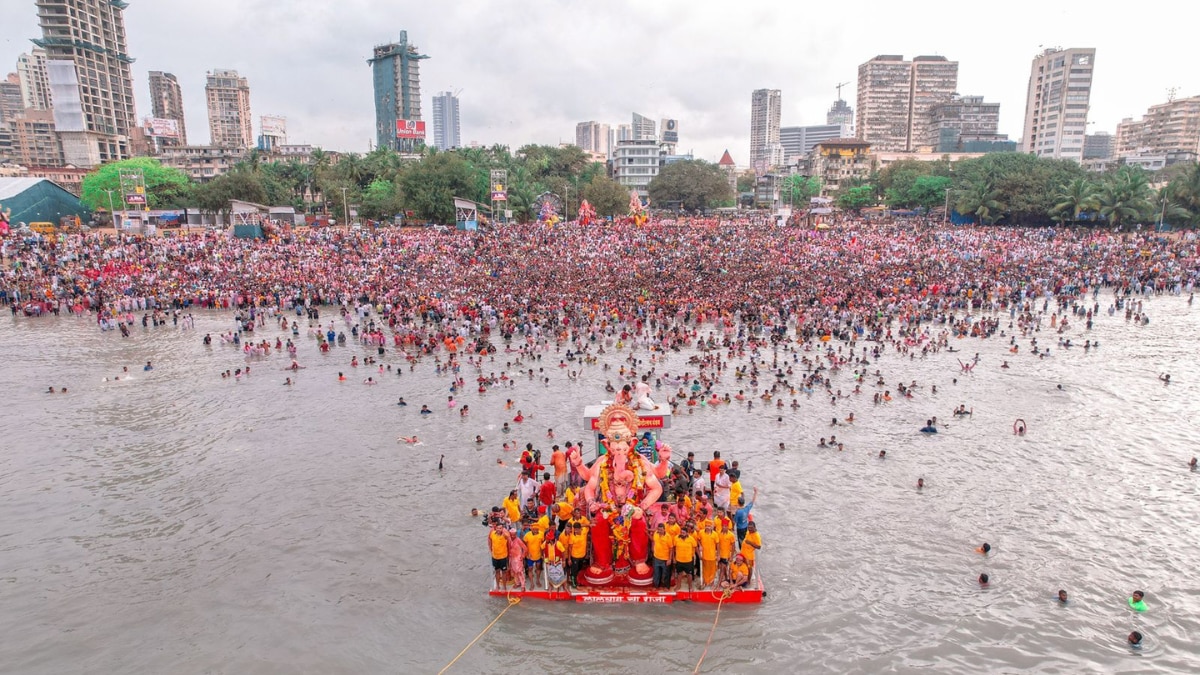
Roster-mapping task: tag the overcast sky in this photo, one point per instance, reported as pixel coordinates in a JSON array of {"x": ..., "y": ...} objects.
[{"x": 529, "y": 69}]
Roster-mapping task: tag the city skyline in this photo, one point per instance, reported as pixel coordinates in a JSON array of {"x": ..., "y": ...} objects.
[{"x": 325, "y": 89}]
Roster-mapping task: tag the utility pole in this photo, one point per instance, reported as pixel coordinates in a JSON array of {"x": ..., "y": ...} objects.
[
  {"x": 112, "y": 216},
  {"x": 345, "y": 207}
]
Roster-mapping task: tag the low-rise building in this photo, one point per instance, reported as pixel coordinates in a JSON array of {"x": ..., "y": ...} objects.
[
  {"x": 203, "y": 163},
  {"x": 69, "y": 177},
  {"x": 838, "y": 160},
  {"x": 635, "y": 163}
]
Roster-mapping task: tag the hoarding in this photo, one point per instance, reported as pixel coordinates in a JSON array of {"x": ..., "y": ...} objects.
[
  {"x": 410, "y": 129},
  {"x": 160, "y": 127},
  {"x": 135, "y": 198},
  {"x": 273, "y": 125}
]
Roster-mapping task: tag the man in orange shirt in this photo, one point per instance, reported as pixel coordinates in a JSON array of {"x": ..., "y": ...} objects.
[
  {"x": 558, "y": 460},
  {"x": 714, "y": 467},
  {"x": 739, "y": 573}
]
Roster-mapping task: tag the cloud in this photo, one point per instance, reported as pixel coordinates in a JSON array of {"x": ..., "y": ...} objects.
[{"x": 529, "y": 70}]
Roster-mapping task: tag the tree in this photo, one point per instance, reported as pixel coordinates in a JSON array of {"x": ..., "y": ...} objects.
[
  {"x": 1075, "y": 198},
  {"x": 217, "y": 194},
  {"x": 430, "y": 185},
  {"x": 927, "y": 192},
  {"x": 1025, "y": 185},
  {"x": 745, "y": 182},
  {"x": 607, "y": 196},
  {"x": 798, "y": 190},
  {"x": 692, "y": 184},
  {"x": 380, "y": 201},
  {"x": 1184, "y": 191},
  {"x": 982, "y": 200},
  {"x": 1125, "y": 195},
  {"x": 857, "y": 198},
  {"x": 165, "y": 187}
]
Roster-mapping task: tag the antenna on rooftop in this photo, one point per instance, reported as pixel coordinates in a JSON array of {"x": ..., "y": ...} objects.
[{"x": 1171, "y": 92}]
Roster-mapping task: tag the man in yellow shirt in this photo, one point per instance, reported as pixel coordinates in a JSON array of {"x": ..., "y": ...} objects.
[
  {"x": 739, "y": 573},
  {"x": 726, "y": 541},
  {"x": 578, "y": 549},
  {"x": 498, "y": 545},
  {"x": 534, "y": 539},
  {"x": 685, "y": 557},
  {"x": 662, "y": 550},
  {"x": 750, "y": 545},
  {"x": 708, "y": 539},
  {"x": 512, "y": 506}
]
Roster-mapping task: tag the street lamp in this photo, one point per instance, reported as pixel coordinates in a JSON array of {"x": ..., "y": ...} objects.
[
  {"x": 346, "y": 207},
  {"x": 111, "y": 213},
  {"x": 946, "y": 214}
]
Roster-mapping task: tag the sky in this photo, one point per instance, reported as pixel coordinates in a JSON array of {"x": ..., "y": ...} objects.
[{"x": 529, "y": 70}]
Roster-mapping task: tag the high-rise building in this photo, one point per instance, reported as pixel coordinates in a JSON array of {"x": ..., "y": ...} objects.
[
  {"x": 959, "y": 119},
  {"x": 593, "y": 136},
  {"x": 36, "y": 142},
  {"x": 895, "y": 96},
  {"x": 1056, "y": 107},
  {"x": 797, "y": 142},
  {"x": 93, "y": 101},
  {"x": 635, "y": 163},
  {"x": 446, "y": 131},
  {"x": 1099, "y": 145},
  {"x": 396, "y": 72},
  {"x": 166, "y": 101},
  {"x": 624, "y": 132},
  {"x": 229, "y": 121},
  {"x": 765, "y": 149},
  {"x": 840, "y": 113},
  {"x": 1167, "y": 128},
  {"x": 11, "y": 105},
  {"x": 643, "y": 128},
  {"x": 35, "y": 86}
]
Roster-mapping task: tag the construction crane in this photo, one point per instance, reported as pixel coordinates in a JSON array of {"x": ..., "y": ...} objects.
[{"x": 839, "y": 89}]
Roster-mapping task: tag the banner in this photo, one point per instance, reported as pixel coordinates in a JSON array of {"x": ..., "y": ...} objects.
[
  {"x": 134, "y": 198},
  {"x": 410, "y": 129}
]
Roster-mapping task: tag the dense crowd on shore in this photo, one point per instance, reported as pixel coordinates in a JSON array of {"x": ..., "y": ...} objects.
[{"x": 525, "y": 278}]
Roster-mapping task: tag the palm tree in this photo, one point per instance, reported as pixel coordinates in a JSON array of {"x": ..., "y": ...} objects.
[
  {"x": 1185, "y": 192},
  {"x": 981, "y": 200},
  {"x": 1125, "y": 195},
  {"x": 1075, "y": 198}
]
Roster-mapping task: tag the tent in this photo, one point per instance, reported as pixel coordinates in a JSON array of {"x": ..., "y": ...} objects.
[{"x": 38, "y": 200}]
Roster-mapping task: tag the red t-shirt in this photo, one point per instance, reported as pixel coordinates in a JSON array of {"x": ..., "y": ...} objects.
[{"x": 547, "y": 492}]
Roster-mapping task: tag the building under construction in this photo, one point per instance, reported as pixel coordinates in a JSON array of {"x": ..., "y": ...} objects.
[{"x": 396, "y": 69}]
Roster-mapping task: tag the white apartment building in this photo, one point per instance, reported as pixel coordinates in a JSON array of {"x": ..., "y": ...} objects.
[
  {"x": 635, "y": 163},
  {"x": 1056, "y": 106}
]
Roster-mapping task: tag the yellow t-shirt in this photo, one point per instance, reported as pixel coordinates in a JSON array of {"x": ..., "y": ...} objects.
[
  {"x": 563, "y": 510},
  {"x": 579, "y": 544},
  {"x": 674, "y": 529},
  {"x": 542, "y": 523},
  {"x": 737, "y": 570},
  {"x": 499, "y": 544},
  {"x": 513, "y": 507},
  {"x": 708, "y": 544},
  {"x": 533, "y": 541},
  {"x": 735, "y": 491},
  {"x": 748, "y": 550},
  {"x": 662, "y": 546},
  {"x": 685, "y": 548},
  {"x": 727, "y": 541}
]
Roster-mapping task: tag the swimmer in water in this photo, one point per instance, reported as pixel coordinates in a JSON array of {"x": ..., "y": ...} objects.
[
  {"x": 984, "y": 580},
  {"x": 1136, "y": 602},
  {"x": 920, "y": 483},
  {"x": 411, "y": 440},
  {"x": 425, "y": 410},
  {"x": 883, "y": 454},
  {"x": 1062, "y": 597},
  {"x": 440, "y": 459},
  {"x": 1192, "y": 464},
  {"x": 1135, "y": 639},
  {"x": 985, "y": 549},
  {"x": 402, "y": 403},
  {"x": 1165, "y": 377},
  {"x": 478, "y": 440},
  {"x": 51, "y": 391},
  {"x": 287, "y": 382}
]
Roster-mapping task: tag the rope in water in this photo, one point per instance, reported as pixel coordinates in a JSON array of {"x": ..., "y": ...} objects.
[
  {"x": 512, "y": 602},
  {"x": 724, "y": 596}
]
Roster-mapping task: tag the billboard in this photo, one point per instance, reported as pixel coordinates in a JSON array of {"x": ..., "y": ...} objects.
[
  {"x": 135, "y": 198},
  {"x": 670, "y": 131},
  {"x": 273, "y": 125},
  {"x": 161, "y": 127},
  {"x": 410, "y": 129}
]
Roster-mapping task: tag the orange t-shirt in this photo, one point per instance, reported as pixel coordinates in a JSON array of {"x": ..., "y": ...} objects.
[{"x": 714, "y": 467}]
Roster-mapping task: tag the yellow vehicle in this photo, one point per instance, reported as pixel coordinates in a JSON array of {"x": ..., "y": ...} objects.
[{"x": 43, "y": 228}]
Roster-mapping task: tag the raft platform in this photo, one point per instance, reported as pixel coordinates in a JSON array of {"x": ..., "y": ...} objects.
[{"x": 753, "y": 594}]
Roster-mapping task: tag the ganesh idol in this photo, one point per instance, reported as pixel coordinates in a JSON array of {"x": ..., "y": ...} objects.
[{"x": 621, "y": 486}]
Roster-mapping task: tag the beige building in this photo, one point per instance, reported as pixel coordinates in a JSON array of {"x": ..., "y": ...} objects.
[
  {"x": 166, "y": 102},
  {"x": 35, "y": 84},
  {"x": 895, "y": 97},
  {"x": 92, "y": 85},
  {"x": 1171, "y": 127},
  {"x": 840, "y": 159},
  {"x": 593, "y": 137},
  {"x": 202, "y": 163},
  {"x": 229, "y": 121},
  {"x": 766, "y": 150},
  {"x": 1056, "y": 105},
  {"x": 36, "y": 143}
]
